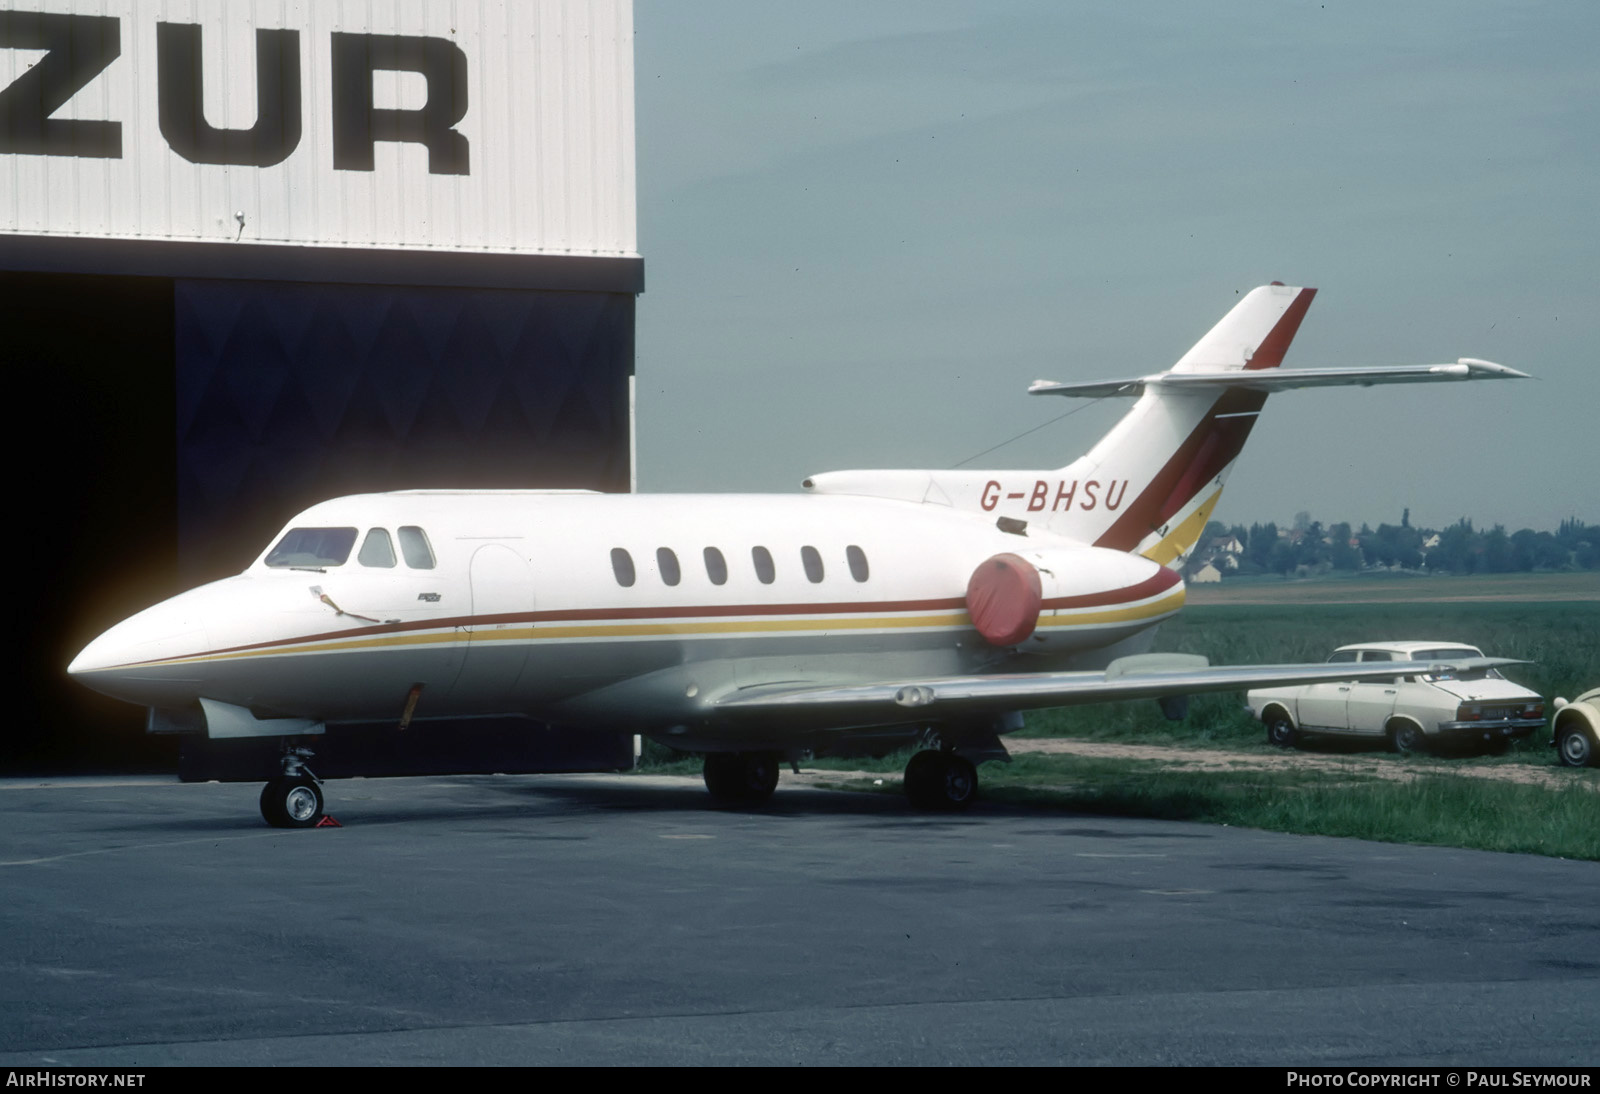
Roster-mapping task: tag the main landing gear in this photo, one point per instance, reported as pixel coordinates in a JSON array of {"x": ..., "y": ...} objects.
[
  {"x": 936, "y": 780},
  {"x": 293, "y": 799},
  {"x": 742, "y": 778},
  {"x": 941, "y": 781}
]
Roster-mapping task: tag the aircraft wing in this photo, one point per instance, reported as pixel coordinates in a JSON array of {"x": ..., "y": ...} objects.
[
  {"x": 1137, "y": 677},
  {"x": 1279, "y": 379}
]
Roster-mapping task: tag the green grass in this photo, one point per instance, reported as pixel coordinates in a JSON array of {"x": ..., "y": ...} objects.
[{"x": 1435, "y": 808}]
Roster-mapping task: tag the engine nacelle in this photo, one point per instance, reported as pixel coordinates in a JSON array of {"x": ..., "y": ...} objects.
[{"x": 1065, "y": 598}]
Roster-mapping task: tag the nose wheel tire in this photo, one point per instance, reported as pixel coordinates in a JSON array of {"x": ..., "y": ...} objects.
[
  {"x": 291, "y": 802},
  {"x": 941, "y": 781}
]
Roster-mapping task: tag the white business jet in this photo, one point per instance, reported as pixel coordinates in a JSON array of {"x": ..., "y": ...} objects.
[{"x": 877, "y": 609}]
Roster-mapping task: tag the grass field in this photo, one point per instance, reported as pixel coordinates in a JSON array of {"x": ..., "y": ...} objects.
[
  {"x": 1434, "y": 808},
  {"x": 1400, "y": 588}
]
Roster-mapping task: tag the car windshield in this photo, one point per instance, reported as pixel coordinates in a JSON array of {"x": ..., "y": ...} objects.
[{"x": 313, "y": 547}]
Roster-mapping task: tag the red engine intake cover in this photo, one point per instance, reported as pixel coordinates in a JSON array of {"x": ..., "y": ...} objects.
[{"x": 1003, "y": 598}]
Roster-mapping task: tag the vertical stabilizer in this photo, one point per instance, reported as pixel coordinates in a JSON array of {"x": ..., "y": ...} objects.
[
  {"x": 1148, "y": 486},
  {"x": 1165, "y": 462}
]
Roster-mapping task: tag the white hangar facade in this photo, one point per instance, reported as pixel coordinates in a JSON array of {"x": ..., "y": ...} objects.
[{"x": 254, "y": 255}]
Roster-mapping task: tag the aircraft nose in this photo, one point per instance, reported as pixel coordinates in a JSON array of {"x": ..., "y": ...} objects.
[{"x": 132, "y": 649}]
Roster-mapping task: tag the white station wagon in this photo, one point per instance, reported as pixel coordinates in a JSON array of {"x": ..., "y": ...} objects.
[{"x": 1414, "y": 709}]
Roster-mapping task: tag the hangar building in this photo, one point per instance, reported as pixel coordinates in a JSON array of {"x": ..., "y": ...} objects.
[{"x": 257, "y": 255}]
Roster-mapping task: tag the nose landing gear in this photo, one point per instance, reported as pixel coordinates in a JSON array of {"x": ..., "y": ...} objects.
[{"x": 293, "y": 799}]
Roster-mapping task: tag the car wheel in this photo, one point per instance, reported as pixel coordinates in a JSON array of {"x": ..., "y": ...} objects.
[
  {"x": 1407, "y": 739},
  {"x": 1575, "y": 746},
  {"x": 1280, "y": 730}
]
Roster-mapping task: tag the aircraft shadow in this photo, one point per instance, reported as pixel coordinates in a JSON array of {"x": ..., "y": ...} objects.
[{"x": 490, "y": 798}]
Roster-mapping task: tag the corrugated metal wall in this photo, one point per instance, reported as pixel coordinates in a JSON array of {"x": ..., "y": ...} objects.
[{"x": 544, "y": 163}]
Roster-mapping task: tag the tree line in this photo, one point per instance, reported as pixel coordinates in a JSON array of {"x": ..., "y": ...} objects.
[{"x": 1311, "y": 547}]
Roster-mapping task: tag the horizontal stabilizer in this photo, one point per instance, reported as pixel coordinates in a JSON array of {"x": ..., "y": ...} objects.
[
  {"x": 1278, "y": 379},
  {"x": 956, "y": 696}
]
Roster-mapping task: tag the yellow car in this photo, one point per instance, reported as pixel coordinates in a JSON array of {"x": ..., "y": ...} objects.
[{"x": 1577, "y": 726}]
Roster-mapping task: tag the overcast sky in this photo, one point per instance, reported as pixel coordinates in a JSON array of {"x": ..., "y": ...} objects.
[{"x": 868, "y": 226}]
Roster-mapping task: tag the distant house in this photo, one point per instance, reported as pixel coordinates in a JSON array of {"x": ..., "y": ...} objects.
[{"x": 1207, "y": 575}]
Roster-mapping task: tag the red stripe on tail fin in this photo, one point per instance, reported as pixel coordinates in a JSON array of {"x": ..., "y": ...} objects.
[{"x": 1269, "y": 354}]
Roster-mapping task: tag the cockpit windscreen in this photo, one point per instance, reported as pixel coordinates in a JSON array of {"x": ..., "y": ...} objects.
[{"x": 313, "y": 547}]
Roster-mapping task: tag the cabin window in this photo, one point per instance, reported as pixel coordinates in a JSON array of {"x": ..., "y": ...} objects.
[
  {"x": 766, "y": 572},
  {"x": 314, "y": 547},
  {"x": 1341, "y": 656},
  {"x": 667, "y": 563},
  {"x": 811, "y": 559},
  {"x": 415, "y": 548},
  {"x": 622, "y": 566},
  {"x": 716, "y": 566},
  {"x": 377, "y": 549},
  {"x": 858, "y": 562}
]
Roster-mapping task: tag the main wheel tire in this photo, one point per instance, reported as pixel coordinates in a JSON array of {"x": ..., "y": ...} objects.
[
  {"x": 1575, "y": 747},
  {"x": 1280, "y": 729},
  {"x": 941, "y": 781},
  {"x": 1408, "y": 739},
  {"x": 742, "y": 778},
  {"x": 291, "y": 802}
]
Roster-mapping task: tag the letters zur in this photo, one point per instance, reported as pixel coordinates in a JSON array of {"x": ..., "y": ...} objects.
[
  {"x": 1058, "y": 496},
  {"x": 79, "y": 48}
]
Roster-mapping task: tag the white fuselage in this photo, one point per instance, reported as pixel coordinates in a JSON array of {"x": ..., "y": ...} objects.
[{"x": 525, "y": 609}]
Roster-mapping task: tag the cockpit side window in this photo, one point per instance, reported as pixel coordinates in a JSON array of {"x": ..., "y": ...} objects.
[
  {"x": 313, "y": 547},
  {"x": 415, "y": 547},
  {"x": 377, "y": 549}
]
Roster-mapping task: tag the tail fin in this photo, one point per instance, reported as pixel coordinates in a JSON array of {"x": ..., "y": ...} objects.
[
  {"x": 1150, "y": 484},
  {"x": 1161, "y": 469}
]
